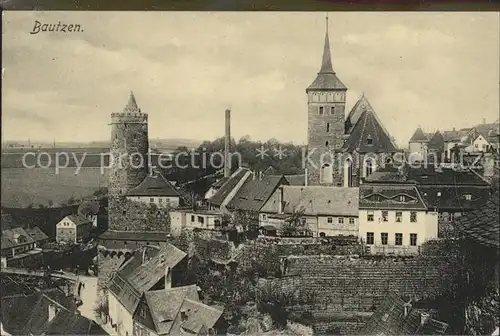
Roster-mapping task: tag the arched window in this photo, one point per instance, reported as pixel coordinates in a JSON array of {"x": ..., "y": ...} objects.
[
  {"x": 368, "y": 167},
  {"x": 348, "y": 178},
  {"x": 326, "y": 174},
  {"x": 332, "y": 111},
  {"x": 326, "y": 143},
  {"x": 328, "y": 127}
]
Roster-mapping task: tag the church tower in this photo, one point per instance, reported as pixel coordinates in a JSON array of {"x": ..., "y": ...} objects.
[
  {"x": 326, "y": 116},
  {"x": 129, "y": 163}
]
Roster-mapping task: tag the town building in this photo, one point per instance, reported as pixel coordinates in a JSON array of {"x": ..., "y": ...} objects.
[
  {"x": 394, "y": 219},
  {"x": 324, "y": 211},
  {"x": 418, "y": 146},
  {"x": 48, "y": 312},
  {"x": 175, "y": 311},
  {"x": 215, "y": 187},
  {"x": 181, "y": 219},
  {"x": 138, "y": 275},
  {"x": 155, "y": 189},
  {"x": 73, "y": 229},
  {"x": 394, "y": 316},
  {"x": 19, "y": 248},
  {"x": 90, "y": 210}
]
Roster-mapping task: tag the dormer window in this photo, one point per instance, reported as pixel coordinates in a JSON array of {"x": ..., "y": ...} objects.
[
  {"x": 468, "y": 197},
  {"x": 321, "y": 110},
  {"x": 369, "y": 140}
]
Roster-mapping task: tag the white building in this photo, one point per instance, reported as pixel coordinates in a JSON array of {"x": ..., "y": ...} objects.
[
  {"x": 73, "y": 229},
  {"x": 155, "y": 189},
  {"x": 418, "y": 145},
  {"x": 326, "y": 211},
  {"x": 479, "y": 145},
  {"x": 192, "y": 219},
  {"x": 393, "y": 218}
]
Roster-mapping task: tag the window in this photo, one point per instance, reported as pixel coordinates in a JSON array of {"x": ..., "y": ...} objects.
[
  {"x": 476, "y": 146},
  {"x": 385, "y": 216},
  {"x": 399, "y": 239},
  {"x": 192, "y": 218},
  {"x": 368, "y": 168},
  {"x": 264, "y": 217},
  {"x": 468, "y": 197},
  {"x": 201, "y": 219},
  {"x": 402, "y": 198},
  {"x": 370, "y": 216},
  {"x": 328, "y": 127},
  {"x": 351, "y": 220},
  {"x": 384, "y": 237},
  {"x": 332, "y": 110},
  {"x": 326, "y": 174},
  {"x": 341, "y": 220},
  {"x": 451, "y": 217},
  {"x": 151, "y": 200},
  {"x": 160, "y": 200},
  {"x": 326, "y": 143},
  {"x": 413, "y": 217},
  {"x": 399, "y": 216},
  {"x": 369, "y": 141},
  {"x": 369, "y": 238},
  {"x": 413, "y": 239},
  {"x": 330, "y": 220},
  {"x": 321, "y": 110}
]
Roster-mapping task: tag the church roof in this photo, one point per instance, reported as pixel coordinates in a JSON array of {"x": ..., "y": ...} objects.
[
  {"x": 419, "y": 136},
  {"x": 131, "y": 106},
  {"x": 326, "y": 78},
  {"x": 361, "y": 105},
  {"x": 368, "y": 126}
]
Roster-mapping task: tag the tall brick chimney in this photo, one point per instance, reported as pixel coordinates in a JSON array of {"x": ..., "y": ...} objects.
[{"x": 227, "y": 142}]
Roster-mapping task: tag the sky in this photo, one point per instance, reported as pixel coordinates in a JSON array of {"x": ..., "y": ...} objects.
[{"x": 434, "y": 70}]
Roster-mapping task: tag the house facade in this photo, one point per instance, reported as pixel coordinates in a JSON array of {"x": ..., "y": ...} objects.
[
  {"x": 394, "y": 218},
  {"x": 137, "y": 276},
  {"x": 73, "y": 229},
  {"x": 324, "y": 211},
  {"x": 194, "y": 219},
  {"x": 19, "y": 249},
  {"x": 418, "y": 145},
  {"x": 155, "y": 189}
]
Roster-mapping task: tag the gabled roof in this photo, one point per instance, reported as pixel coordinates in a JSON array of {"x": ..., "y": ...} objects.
[
  {"x": 491, "y": 129},
  {"x": 436, "y": 142},
  {"x": 419, "y": 136},
  {"x": 386, "y": 196},
  {"x": 199, "y": 317},
  {"x": 78, "y": 220},
  {"x": 367, "y": 127},
  {"x": 316, "y": 201},
  {"x": 220, "y": 183},
  {"x": 9, "y": 237},
  {"x": 482, "y": 225},
  {"x": 89, "y": 208},
  {"x": 72, "y": 323},
  {"x": 296, "y": 180},
  {"x": 390, "y": 319},
  {"x": 454, "y": 135},
  {"x": 444, "y": 176},
  {"x": 270, "y": 171},
  {"x": 452, "y": 197},
  {"x": 361, "y": 105},
  {"x": 220, "y": 196},
  {"x": 154, "y": 185},
  {"x": 134, "y": 278},
  {"x": 253, "y": 194},
  {"x": 326, "y": 79},
  {"x": 36, "y": 234}
]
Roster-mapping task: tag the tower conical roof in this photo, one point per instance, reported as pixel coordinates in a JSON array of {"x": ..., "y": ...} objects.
[
  {"x": 419, "y": 136},
  {"x": 131, "y": 106},
  {"x": 326, "y": 79}
]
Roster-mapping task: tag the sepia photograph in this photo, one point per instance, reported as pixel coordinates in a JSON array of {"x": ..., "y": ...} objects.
[{"x": 250, "y": 173}]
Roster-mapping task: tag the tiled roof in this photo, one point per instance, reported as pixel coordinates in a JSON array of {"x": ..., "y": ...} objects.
[
  {"x": 79, "y": 220},
  {"x": 220, "y": 182},
  {"x": 367, "y": 127},
  {"x": 452, "y": 197},
  {"x": 361, "y": 105},
  {"x": 72, "y": 323},
  {"x": 199, "y": 316},
  {"x": 490, "y": 129},
  {"x": 419, "y": 136},
  {"x": 9, "y": 237},
  {"x": 317, "y": 200},
  {"x": 221, "y": 194},
  {"x": 134, "y": 278},
  {"x": 36, "y": 234},
  {"x": 154, "y": 185},
  {"x": 436, "y": 142},
  {"x": 454, "y": 135},
  {"x": 326, "y": 79},
  {"x": 386, "y": 176},
  {"x": 386, "y": 196},
  {"x": 88, "y": 208},
  {"x": 390, "y": 319},
  {"x": 296, "y": 180},
  {"x": 253, "y": 194},
  {"x": 482, "y": 225},
  {"x": 270, "y": 171},
  {"x": 133, "y": 236},
  {"x": 444, "y": 176}
]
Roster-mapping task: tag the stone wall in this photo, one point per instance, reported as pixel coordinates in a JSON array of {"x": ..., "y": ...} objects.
[
  {"x": 128, "y": 215},
  {"x": 108, "y": 264}
]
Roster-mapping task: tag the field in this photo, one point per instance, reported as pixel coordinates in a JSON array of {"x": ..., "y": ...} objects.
[{"x": 24, "y": 186}]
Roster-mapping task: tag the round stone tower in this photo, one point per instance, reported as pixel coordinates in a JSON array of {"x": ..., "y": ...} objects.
[{"x": 129, "y": 163}]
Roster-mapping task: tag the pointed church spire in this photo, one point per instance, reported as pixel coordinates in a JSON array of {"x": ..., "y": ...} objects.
[
  {"x": 326, "y": 64},
  {"x": 131, "y": 106}
]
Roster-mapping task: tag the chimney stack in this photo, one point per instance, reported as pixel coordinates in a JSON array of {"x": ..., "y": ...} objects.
[
  {"x": 168, "y": 278},
  {"x": 227, "y": 142}
]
